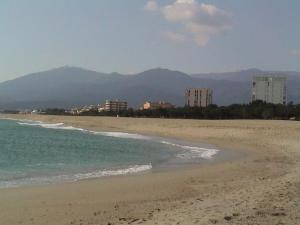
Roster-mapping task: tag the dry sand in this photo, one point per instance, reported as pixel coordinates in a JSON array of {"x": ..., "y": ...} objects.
[{"x": 260, "y": 188}]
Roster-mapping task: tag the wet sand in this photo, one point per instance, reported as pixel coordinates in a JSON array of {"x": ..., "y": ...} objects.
[{"x": 262, "y": 187}]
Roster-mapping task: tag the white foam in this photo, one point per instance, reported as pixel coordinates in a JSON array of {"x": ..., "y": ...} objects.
[
  {"x": 60, "y": 126},
  {"x": 46, "y": 125},
  {"x": 123, "y": 135},
  {"x": 193, "y": 152},
  {"x": 75, "y": 177},
  {"x": 21, "y": 120},
  {"x": 105, "y": 173}
]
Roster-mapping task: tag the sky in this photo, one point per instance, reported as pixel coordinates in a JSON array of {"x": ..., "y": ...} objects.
[{"x": 130, "y": 36}]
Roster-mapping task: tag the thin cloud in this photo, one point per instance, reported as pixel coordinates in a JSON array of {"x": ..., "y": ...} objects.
[
  {"x": 151, "y": 6},
  {"x": 198, "y": 21}
]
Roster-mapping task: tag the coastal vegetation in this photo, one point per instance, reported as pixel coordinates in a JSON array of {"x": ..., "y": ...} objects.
[{"x": 254, "y": 110}]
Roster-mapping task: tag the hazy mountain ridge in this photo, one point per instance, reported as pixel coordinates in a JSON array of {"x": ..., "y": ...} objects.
[
  {"x": 71, "y": 86},
  {"x": 246, "y": 75}
]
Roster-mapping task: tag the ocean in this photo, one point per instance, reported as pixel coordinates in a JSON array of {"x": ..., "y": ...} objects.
[{"x": 36, "y": 153}]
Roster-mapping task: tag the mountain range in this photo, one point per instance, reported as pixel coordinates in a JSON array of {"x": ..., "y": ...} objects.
[{"x": 67, "y": 87}]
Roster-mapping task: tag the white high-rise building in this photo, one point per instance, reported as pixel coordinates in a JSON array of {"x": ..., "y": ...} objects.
[
  {"x": 270, "y": 89},
  {"x": 198, "y": 97}
]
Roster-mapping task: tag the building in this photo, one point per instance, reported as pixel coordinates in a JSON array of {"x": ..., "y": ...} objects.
[
  {"x": 157, "y": 105},
  {"x": 101, "y": 107},
  {"x": 270, "y": 89},
  {"x": 84, "y": 109},
  {"x": 115, "y": 106},
  {"x": 198, "y": 97}
]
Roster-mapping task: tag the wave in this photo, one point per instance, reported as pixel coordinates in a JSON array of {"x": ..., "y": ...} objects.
[
  {"x": 123, "y": 135},
  {"x": 21, "y": 120},
  {"x": 75, "y": 177},
  {"x": 105, "y": 173},
  {"x": 193, "y": 152},
  {"x": 60, "y": 126}
]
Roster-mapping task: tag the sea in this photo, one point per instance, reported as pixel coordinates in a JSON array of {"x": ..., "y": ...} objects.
[{"x": 38, "y": 153}]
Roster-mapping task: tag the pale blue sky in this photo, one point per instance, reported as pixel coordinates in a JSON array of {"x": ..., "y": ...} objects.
[{"x": 122, "y": 36}]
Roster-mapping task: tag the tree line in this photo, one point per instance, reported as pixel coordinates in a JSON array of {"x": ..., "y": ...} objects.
[{"x": 254, "y": 110}]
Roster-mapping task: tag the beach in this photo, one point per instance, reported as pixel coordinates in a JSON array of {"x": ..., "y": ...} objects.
[{"x": 261, "y": 187}]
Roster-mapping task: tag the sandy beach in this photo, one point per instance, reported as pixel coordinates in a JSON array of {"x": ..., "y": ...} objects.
[{"x": 262, "y": 187}]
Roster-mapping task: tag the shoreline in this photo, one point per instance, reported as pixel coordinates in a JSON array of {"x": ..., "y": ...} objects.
[
  {"x": 174, "y": 163},
  {"x": 260, "y": 188}
]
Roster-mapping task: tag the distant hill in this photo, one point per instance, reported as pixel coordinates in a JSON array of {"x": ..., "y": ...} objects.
[
  {"x": 246, "y": 75},
  {"x": 71, "y": 86}
]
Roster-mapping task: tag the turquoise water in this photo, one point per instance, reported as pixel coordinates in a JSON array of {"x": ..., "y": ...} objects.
[{"x": 39, "y": 153}]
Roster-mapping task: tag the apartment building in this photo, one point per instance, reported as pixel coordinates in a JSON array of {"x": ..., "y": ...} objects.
[
  {"x": 270, "y": 89},
  {"x": 115, "y": 106},
  {"x": 198, "y": 97}
]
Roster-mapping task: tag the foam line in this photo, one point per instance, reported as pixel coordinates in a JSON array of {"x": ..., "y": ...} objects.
[
  {"x": 193, "y": 152},
  {"x": 75, "y": 177},
  {"x": 104, "y": 173},
  {"x": 60, "y": 126},
  {"x": 123, "y": 135}
]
